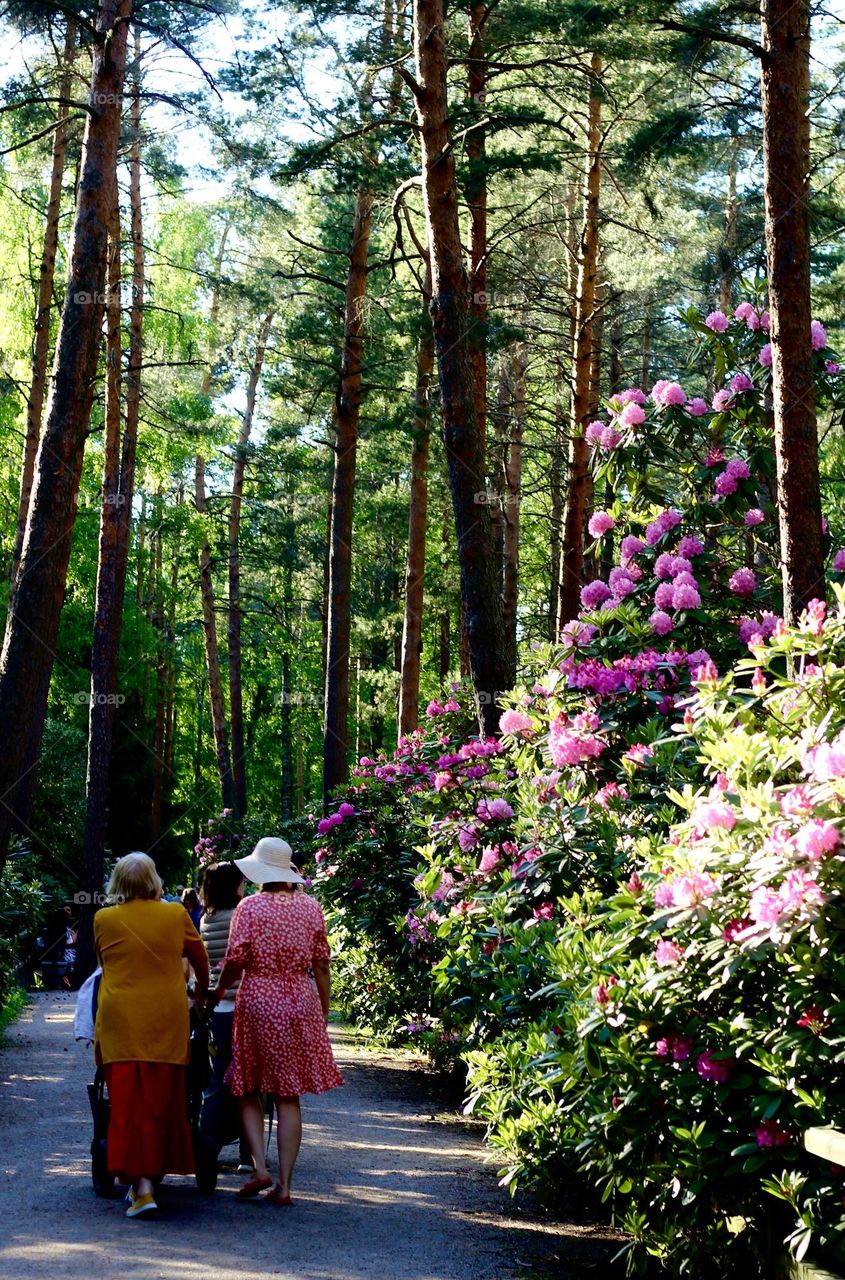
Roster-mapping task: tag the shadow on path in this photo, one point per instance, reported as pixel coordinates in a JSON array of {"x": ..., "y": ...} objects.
[{"x": 390, "y": 1186}]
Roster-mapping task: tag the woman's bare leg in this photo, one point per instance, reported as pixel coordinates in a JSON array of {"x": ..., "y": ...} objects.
[
  {"x": 252, "y": 1123},
  {"x": 143, "y": 1187},
  {"x": 289, "y": 1139}
]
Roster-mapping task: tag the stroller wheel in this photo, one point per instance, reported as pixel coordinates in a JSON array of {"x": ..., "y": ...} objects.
[{"x": 102, "y": 1180}]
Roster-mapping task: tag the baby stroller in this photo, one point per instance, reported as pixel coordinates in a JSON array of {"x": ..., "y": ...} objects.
[{"x": 197, "y": 1079}]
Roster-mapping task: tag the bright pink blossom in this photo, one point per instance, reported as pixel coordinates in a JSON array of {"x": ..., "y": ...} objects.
[
  {"x": 714, "y": 1069},
  {"x": 632, "y": 415},
  {"x": 753, "y": 517},
  {"x": 743, "y": 582},
  {"x": 725, "y": 484},
  {"x": 593, "y": 431},
  {"x": 600, "y": 524},
  {"x": 717, "y": 321},
  {"x": 741, "y": 382},
  {"x": 685, "y": 597},
  {"x": 818, "y": 335},
  {"x": 771, "y": 1134},
  {"x": 631, "y": 546},
  {"x": 594, "y": 594},
  {"x": 667, "y": 954},
  {"x": 765, "y": 355},
  {"x": 839, "y": 561},
  {"x": 660, "y": 622},
  {"x": 516, "y": 722},
  {"x": 816, "y": 839},
  {"x": 697, "y": 407},
  {"x": 711, "y": 814},
  {"x": 721, "y": 400}
]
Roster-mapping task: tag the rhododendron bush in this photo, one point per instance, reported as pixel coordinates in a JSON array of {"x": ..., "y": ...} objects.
[{"x": 622, "y": 917}]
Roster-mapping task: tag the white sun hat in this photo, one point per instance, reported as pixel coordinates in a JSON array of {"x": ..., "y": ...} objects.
[{"x": 270, "y": 863}]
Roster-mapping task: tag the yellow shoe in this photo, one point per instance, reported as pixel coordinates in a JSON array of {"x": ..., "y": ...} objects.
[{"x": 141, "y": 1204}]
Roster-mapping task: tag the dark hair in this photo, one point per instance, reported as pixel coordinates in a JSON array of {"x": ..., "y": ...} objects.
[
  {"x": 189, "y": 899},
  {"x": 220, "y": 884}
]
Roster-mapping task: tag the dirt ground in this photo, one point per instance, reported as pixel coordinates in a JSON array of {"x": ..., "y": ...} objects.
[{"x": 391, "y": 1185}]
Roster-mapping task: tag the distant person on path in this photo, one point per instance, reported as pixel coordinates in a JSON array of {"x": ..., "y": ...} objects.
[
  {"x": 141, "y": 1036},
  {"x": 193, "y": 906},
  {"x": 280, "y": 1044},
  {"x": 221, "y": 890}
]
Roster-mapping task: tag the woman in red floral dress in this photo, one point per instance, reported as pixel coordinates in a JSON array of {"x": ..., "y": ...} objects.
[{"x": 280, "y": 1044}]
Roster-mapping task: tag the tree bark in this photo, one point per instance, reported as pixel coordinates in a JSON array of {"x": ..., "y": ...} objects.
[
  {"x": 450, "y": 320},
  {"x": 41, "y": 341},
  {"x": 572, "y": 549},
  {"x": 160, "y": 686},
  {"x": 409, "y": 687},
  {"x": 35, "y": 603},
  {"x": 786, "y": 154},
  {"x": 346, "y": 418},
  {"x": 206, "y": 582},
  {"x": 512, "y": 496},
  {"x": 236, "y": 698},
  {"x": 475, "y": 191},
  {"x": 727, "y": 250}
]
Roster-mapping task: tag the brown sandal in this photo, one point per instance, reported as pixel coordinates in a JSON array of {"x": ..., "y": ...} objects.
[
  {"x": 252, "y": 1188},
  {"x": 275, "y": 1196}
]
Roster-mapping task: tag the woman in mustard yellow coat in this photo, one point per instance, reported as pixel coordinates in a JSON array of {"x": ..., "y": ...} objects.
[{"x": 141, "y": 1037}]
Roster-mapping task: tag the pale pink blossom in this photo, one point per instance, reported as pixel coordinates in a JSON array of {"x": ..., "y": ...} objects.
[
  {"x": 697, "y": 407},
  {"x": 600, "y": 524},
  {"x": 818, "y": 335},
  {"x": 743, "y": 582},
  {"x": 516, "y": 722},
  {"x": 667, "y": 954}
]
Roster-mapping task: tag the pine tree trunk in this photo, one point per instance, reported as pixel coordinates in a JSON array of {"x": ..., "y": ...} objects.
[
  {"x": 786, "y": 153},
  {"x": 572, "y": 549},
  {"x": 41, "y": 342},
  {"x": 409, "y": 687},
  {"x": 727, "y": 251},
  {"x": 346, "y": 417},
  {"x": 236, "y": 698},
  {"x": 450, "y": 315},
  {"x": 556, "y": 519},
  {"x": 160, "y": 689},
  {"x": 206, "y": 581},
  {"x": 512, "y": 496},
  {"x": 35, "y": 604},
  {"x": 475, "y": 191}
]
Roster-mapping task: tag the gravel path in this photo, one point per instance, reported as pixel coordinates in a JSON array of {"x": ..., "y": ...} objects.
[{"x": 391, "y": 1185}]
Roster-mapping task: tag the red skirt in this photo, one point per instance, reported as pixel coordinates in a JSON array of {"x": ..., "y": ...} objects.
[{"x": 149, "y": 1134}]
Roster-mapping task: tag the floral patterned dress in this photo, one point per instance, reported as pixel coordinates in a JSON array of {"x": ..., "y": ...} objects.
[{"x": 279, "y": 1041}]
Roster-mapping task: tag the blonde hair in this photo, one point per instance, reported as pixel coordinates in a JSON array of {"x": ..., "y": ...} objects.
[{"x": 134, "y": 876}]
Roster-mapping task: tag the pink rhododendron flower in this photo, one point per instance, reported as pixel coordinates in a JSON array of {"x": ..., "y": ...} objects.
[
  {"x": 594, "y": 594},
  {"x": 813, "y": 617},
  {"x": 716, "y": 1070},
  {"x": 664, "y": 894},
  {"x": 839, "y": 561},
  {"x": 743, "y": 582},
  {"x": 609, "y": 439},
  {"x": 675, "y": 1046},
  {"x": 713, "y": 813},
  {"x": 545, "y": 911},
  {"x": 660, "y": 622},
  {"x": 663, "y": 565},
  {"x": 567, "y": 747},
  {"x": 324, "y": 826},
  {"x": 632, "y": 415},
  {"x": 758, "y": 683},
  {"x": 491, "y": 856},
  {"x": 434, "y": 709},
  {"x": 667, "y": 954},
  {"x": 738, "y": 468},
  {"x": 692, "y": 890},
  {"x": 770, "y": 1134},
  {"x": 610, "y": 791},
  {"x": 452, "y": 705},
  {"x": 743, "y": 311},
  {"x": 717, "y": 321},
  {"x": 593, "y": 431},
  {"x": 632, "y": 395},
  {"x": 813, "y": 1019},
  {"x": 663, "y": 595},
  {"x": 697, "y": 407},
  {"x": 765, "y": 355},
  {"x": 512, "y": 721},
  {"x": 816, "y": 839},
  {"x": 818, "y": 335},
  {"x": 725, "y": 484},
  {"x": 667, "y": 394},
  {"x": 831, "y": 367},
  {"x": 600, "y": 523},
  {"x": 639, "y": 753},
  {"x": 441, "y": 780},
  {"x": 753, "y": 517},
  {"x": 705, "y": 673},
  {"x": 796, "y": 802},
  {"x": 734, "y": 928},
  {"x": 631, "y": 546},
  {"x": 827, "y": 761},
  {"x": 620, "y": 582},
  {"x": 741, "y": 382},
  {"x": 721, "y": 400},
  {"x": 798, "y": 899},
  {"x": 467, "y": 838},
  {"x": 346, "y": 810},
  {"x": 493, "y": 810},
  {"x": 635, "y": 885},
  {"x": 685, "y": 597},
  {"x": 690, "y": 546}
]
